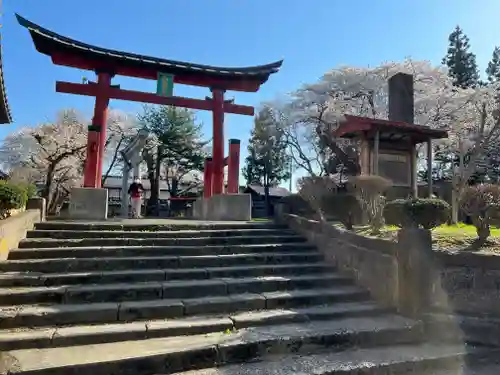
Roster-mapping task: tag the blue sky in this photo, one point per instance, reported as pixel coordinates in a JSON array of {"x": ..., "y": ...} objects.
[{"x": 312, "y": 36}]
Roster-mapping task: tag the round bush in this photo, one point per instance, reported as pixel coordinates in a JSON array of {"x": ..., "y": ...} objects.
[
  {"x": 427, "y": 213},
  {"x": 395, "y": 213},
  {"x": 12, "y": 196}
]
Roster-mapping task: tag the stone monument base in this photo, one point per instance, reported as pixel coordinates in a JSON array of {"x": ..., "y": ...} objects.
[
  {"x": 226, "y": 207},
  {"x": 88, "y": 204}
]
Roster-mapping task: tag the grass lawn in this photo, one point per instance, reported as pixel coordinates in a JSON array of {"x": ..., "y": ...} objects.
[{"x": 447, "y": 237}]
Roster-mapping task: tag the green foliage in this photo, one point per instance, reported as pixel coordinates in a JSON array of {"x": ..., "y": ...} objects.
[
  {"x": 267, "y": 162},
  {"x": 179, "y": 148},
  {"x": 460, "y": 61},
  {"x": 31, "y": 190},
  {"x": 11, "y": 197},
  {"x": 417, "y": 212},
  {"x": 493, "y": 69},
  {"x": 395, "y": 213}
]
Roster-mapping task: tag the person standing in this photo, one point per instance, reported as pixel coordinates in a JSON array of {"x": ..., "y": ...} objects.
[{"x": 135, "y": 191}]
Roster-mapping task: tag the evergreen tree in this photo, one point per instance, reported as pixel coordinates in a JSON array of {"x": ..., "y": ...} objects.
[
  {"x": 267, "y": 162},
  {"x": 176, "y": 151},
  {"x": 460, "y": 61},
  {"x": 493, "y": 69}
]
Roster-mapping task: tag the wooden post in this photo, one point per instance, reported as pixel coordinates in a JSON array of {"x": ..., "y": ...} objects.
[
  {"x": 233, "y": 166},
  {"x": 365, "y": 155},
  {"x": 429, "y": 166},
  {"x": 218, "y": 141},
  {"x": 207, "y": 178},
  {"x": 376, "y": 143},
  {"x": 413, "y": 164}
]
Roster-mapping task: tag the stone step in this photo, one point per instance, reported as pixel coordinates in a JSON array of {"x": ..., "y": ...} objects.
[
  {"x": 422, "y": 359},
  {"x": 56, "y": 265},
  {"x": 178, "y": 289},
  {"x": 107, "y": 251},
  {"x": 90, "y": 313},
  {"x": 14, "y": 339},
  {"x": 156, "y": 225},
  {"x": 26, "y": 279},
  {"x": 167, "y": 355},
  {"x": 77, "y": 234},
  {"x": 31, "y": 243}
]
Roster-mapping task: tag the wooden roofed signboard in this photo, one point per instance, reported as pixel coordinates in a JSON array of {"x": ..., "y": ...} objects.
[
  {"x": 108, "y": 63},
  {"x": 387, "y": 147}
]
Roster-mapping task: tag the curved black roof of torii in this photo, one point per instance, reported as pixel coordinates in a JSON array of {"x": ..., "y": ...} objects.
[
  {"x": 49, "y": 42},
  {"x": 5, "y": 115}
]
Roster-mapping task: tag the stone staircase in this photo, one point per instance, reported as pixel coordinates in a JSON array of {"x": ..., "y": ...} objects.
[{"x": 228, "y": 298}]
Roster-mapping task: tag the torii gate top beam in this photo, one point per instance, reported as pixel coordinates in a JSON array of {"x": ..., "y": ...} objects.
[{"x": 69, "y": 52}]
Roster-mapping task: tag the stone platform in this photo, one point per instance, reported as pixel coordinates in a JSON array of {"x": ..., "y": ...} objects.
[{"x": 233, "y": 207}]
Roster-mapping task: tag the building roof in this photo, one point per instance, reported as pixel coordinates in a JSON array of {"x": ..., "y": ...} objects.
[
  {"x": 70, "y": 52},
  {"x": 393, "y": 131},
  {"x": 5, "y": 115},
  {"x": 273, "y": 191}
]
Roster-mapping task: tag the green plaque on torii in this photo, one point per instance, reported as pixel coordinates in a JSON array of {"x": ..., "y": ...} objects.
[{"x": 165, "y": 84}]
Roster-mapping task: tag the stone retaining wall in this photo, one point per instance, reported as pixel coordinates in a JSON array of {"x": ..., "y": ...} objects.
[
  {"x": 14, "y": 228},
  {"x": 471, "y": 282},
  {"x": 454, "y": 289}
]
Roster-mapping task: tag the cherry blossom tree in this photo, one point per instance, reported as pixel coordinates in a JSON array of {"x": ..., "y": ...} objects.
[
  {"x": 475, "y": 131},
  {"x": 314, "y": 111},
  {"x": 53, "y": 154},
  {"x": 121, "y": 127}
]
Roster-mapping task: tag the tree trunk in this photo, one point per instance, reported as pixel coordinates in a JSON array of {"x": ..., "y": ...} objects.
[
  {"x": 454, "y": 205},
  {"x": 482, "y": 229},
  {"x": 48, "y": 183},
  {"x": 153, "y": 193}
]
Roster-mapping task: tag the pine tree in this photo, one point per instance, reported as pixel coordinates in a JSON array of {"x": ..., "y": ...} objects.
[
  {"x": 493, "y": 69},
  {"x": 460, "y": 61},
  {"x": 267, "y": 162}
]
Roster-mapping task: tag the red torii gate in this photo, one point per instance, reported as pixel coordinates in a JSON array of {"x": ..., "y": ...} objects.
[{"x": 107, "y": 63}]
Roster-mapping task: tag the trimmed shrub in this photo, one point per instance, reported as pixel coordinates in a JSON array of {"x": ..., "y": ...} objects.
[
  {"x": 429, "y": 212},
  {"x": 316, "y": 191},
  {"x": 369, "y": 190},
  {"x": 11, "y": 197},
  {"x": 424, "y": 213},
  {"x": 344, "y": 207},
  {"x": 395, "y": 213},
  {"x": 482, "y": 204}
]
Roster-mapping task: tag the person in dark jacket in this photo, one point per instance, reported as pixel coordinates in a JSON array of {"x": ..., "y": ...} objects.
[{"x": 135, "y": 191}]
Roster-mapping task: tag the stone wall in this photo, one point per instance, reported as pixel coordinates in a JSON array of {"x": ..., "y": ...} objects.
[
  {"x": 471, "y": 282},
  {"x": 469, "y": 295},
  {"x": 13, "y": 229},
  {"x": 457, "y": 293}
]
